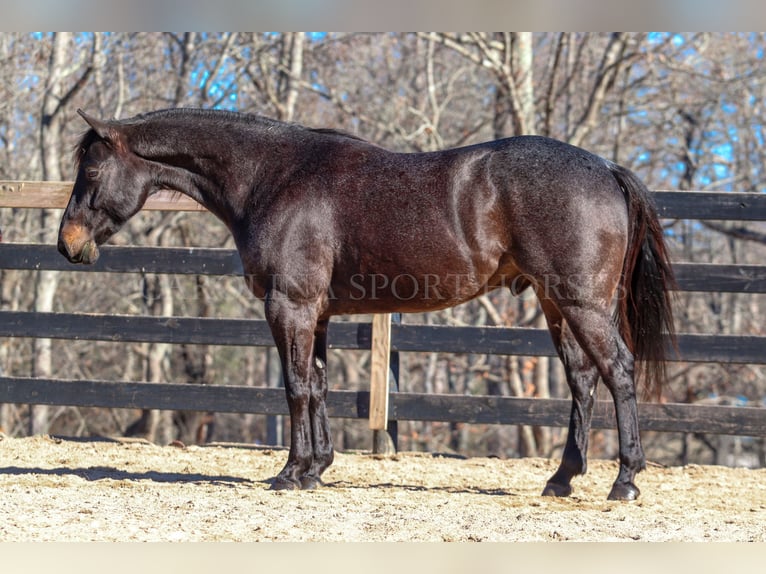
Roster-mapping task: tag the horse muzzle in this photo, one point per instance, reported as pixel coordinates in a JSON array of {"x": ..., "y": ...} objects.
[{"x": 76, "y": 244}]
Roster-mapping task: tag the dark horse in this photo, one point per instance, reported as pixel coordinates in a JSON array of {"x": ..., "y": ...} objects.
[{"x": 328, "y": 224}]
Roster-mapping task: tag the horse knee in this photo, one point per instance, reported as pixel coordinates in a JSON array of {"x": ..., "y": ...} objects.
[{"x": 297, "y": 393}]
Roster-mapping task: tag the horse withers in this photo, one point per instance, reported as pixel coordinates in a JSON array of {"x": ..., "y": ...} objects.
[{"x": 327, "y": 224}]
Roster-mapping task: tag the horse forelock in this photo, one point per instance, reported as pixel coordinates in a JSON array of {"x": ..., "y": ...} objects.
[{"x": 82, "y": 146}]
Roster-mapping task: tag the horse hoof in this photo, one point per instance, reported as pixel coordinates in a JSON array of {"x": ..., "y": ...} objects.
[
  {"x": 554, "y": 489},
  {"x": 285, "y": 484},
  {"x": 310, "y": 482},
  {"x": 624, "y": 491}
]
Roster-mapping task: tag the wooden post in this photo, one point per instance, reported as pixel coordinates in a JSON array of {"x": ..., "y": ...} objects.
[
  {"x": 384, "y": 373},
  {"x": 379, "y": 365}
]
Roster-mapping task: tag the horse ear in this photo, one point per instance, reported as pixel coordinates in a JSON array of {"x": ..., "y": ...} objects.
[
  {"x": 106, "y": 130},
  {"x": 100, "y": 127}
]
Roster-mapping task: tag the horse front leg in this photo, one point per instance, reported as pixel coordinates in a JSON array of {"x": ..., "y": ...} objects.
[
  {"x": 292, "y": 326},
  {"x": 320, "y": 422}
]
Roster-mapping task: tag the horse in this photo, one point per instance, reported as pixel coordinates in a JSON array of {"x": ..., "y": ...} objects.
[{"x": 327, "y": 224}]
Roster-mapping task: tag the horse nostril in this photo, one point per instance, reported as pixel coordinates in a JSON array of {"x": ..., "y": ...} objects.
[{"x": 63, "y": 249}]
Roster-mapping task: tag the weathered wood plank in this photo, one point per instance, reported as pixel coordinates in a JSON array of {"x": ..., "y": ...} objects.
[
  {"x": 140, "y": 395},
  {"x": 742, "y": 421},
  {"x": 715, "y": 278},
  {"x": 705, "y": 277},
  {"x": 380, "y": 359},
  {"x": 55, "y": 195},
  {"x": 537, "y": 342},
  {"x": 120, "y": 259},
  {"x": 711, "y": 205},
  {"x": 343, "y": 335},
  {"x": 169, "y": 396},
  {"x": 130, "y": 328},
  {"x": 670, "y": 204}
]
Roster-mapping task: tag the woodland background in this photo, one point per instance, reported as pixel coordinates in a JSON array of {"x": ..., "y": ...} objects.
[{"x": 685, "y": 111}]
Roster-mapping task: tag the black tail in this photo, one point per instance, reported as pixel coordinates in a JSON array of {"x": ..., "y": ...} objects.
[{"x": 644, "y": 311}]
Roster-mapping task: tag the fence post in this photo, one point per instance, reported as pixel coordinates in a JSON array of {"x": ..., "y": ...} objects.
[{"x": 384, "y": 377}]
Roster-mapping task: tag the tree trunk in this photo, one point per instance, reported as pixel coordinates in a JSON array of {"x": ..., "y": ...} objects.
[
  {"x": 50, "y": 151},
  {"x": 525, "y": 82},
  {"x": 159, "y": 424},
  {"x": 296, "y": 69}
]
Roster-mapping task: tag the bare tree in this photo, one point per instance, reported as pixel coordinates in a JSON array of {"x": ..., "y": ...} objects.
[{"x": 59, "y": 91}]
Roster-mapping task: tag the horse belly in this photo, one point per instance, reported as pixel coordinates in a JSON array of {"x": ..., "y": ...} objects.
[{"x": 427, "y": 276}]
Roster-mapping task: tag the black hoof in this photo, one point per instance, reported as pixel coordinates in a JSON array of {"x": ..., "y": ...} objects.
[
  {"x": 624, "y": 491},
  {"x": 285, "y": 484},
  {"x": 554, "y": 489},
  {"x": 310, "y": 482}
]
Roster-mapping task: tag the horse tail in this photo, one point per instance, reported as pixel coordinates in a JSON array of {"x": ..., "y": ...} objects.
[{"x": 644, "y": 311}]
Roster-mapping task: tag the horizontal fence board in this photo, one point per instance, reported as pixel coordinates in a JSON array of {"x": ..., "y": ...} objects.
[
  {"x": 55, "y": 195},
  {"x": 535, "y": 342},
  {"x": 670, "y": 204},
  {"x": 705, "y": 277},
  {"x": 717, "y": 278},
  {"x": 135, "y": 328},
  {"x": 743, "y": 421},
  {"x": 133, "y": 259},
  {"x": 711, "y": 205},
  {"x": 446, "y": 339},
  {"x": 136, "y": 395},
  {"x": 343, "y": 335}
]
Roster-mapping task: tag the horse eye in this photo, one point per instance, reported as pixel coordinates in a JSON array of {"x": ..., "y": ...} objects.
[{"x": 91, "y": 173}]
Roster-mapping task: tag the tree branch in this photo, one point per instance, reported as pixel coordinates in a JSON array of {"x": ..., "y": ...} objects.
[
  {"x": 613, "y": 56},
  {"x": 737, "y": 232}
]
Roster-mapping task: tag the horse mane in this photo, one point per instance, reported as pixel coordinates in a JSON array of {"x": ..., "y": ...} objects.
[
  {"x": 335, "y": 132},
  {"x": 202, "y": 113},
  {"x": 90, "y": 136}
]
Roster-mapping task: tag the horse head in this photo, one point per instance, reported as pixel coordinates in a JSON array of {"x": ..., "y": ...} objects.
[{"x": 111, "y": 186}]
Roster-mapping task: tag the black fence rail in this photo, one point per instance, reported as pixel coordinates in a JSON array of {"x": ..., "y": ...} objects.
[
  {"x": 343, "y": 335},
  {"x": 744, "y": 421}
]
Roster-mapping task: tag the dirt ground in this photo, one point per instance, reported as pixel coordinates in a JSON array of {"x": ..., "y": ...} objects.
[{"x": 100, "y": 490}]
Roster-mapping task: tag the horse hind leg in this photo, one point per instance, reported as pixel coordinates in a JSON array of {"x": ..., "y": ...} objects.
[
  {"x": 582, "y": 378},
  {"x": 596, "y": 333}
]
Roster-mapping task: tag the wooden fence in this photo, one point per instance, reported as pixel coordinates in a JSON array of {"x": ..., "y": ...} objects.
[{"x": 743, "y": 421}]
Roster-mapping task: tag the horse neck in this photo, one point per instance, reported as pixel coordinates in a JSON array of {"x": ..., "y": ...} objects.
[
  {"x": 210, "y": 167},
  {"x": 196, "y": 186}
]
